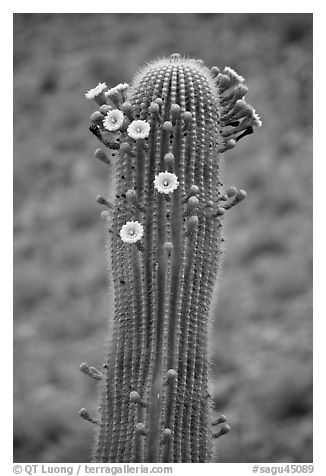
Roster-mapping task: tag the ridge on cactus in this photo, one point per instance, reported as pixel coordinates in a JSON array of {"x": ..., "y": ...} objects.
[{"x": 164, "y": 136}]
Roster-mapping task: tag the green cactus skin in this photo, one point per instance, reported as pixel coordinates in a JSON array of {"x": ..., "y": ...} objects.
[{"x": 154, "y": 399}]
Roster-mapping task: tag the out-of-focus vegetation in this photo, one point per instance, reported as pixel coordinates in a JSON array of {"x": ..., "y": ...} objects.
[{"x": 262, "y": 347}]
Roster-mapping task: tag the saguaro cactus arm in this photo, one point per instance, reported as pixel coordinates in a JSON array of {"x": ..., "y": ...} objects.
[{"x": 164, "y": 135}]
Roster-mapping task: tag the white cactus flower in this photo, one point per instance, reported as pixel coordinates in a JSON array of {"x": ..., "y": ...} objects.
[
  {"x": 233, "y": 74},
  {"x": 117, "y": 89},
  {"x": 166, "y": 182},
  {"x": 113, "y": 120},
  {"x": 257, "y": 120},
  {"x": 131, "y": 232},
  {"x": 93, "y": 93},
  {"x": 138, "y": 129},
  {"x": 121, "y": 86}
]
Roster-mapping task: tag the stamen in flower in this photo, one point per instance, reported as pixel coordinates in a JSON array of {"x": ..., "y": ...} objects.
[
  {"x": 113, "y": 120},
  {"x": 166, "y": 182},
  {"x": 131, "y": 232},
  {"x": 138, "y": 129}
]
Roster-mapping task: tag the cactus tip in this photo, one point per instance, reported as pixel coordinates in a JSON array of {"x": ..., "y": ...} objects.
[
  {"x": 192, "y": 223},
  {"x": 134, "y": 397},
  {"x": 168, "y": 246},
  {"x": 159, "y": 101},
  {"x": 154, "y": 108},
  {"x": 166, "y": 435},
  {"x": 172, "y": 374},
  {"x": 187, "y": 117},
  {"x": 140, "y": 429},
  {"x": 175, "y": 57},
  {"x": 168, "y": 126}
]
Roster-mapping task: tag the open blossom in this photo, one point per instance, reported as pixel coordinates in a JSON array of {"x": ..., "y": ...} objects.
[
  {"x": 138, "y": 129},
  {"x": 166, "y": 182},
  {"x": 131, "y": 232},
  {"x": 93, "y": 93},
  {"x": 113, "y": 120}
]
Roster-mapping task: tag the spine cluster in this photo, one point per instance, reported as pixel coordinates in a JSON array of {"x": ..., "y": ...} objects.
[{"x": 165, "y": 135}]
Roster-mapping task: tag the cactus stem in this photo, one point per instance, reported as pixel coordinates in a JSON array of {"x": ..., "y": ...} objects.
[
  {"x": 166, "y": 443},
  {"x": 165, "y": 252},
  {"x": 167, "y": 435}
]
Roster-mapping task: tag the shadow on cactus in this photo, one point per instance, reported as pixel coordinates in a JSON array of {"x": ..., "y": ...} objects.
[{"x": 164, "y": 136}]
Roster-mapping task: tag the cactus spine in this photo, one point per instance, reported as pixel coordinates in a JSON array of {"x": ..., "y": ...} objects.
[{"x": 165, "y": 135}]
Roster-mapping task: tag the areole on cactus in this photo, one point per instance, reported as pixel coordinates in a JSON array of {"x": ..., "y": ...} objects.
[{"x": 165, "y": 134}]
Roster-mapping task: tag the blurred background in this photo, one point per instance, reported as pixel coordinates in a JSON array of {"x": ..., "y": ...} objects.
[{"x": 262, "y": 347}]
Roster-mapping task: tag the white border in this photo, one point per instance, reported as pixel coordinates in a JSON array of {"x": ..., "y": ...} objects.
[{"x": 319, "y": 194}]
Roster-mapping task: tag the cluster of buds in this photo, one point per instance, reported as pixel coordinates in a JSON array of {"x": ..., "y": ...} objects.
[{"x": 115, "y": 117}]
